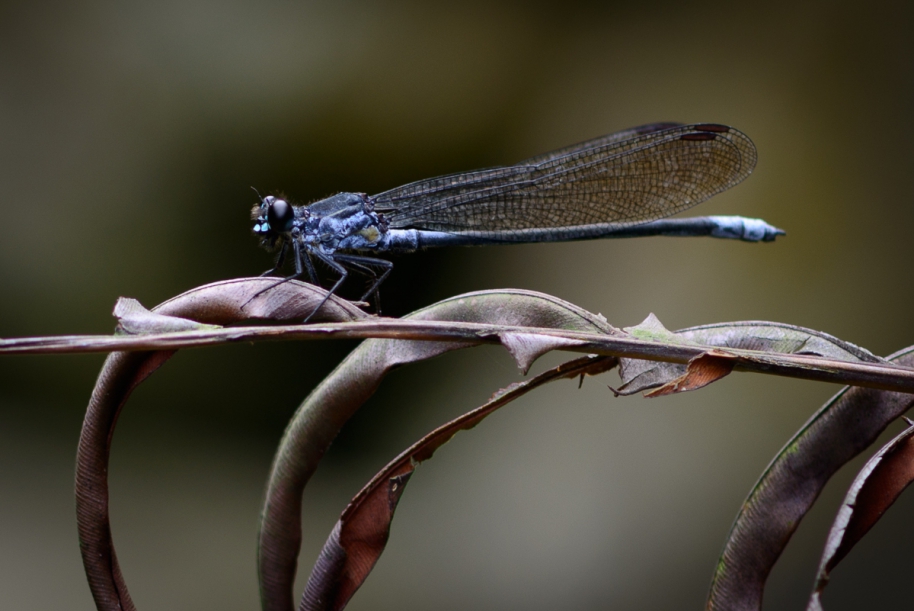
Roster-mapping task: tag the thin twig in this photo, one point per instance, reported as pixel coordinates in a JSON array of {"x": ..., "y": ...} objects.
[{"x": 872, "y": 375}]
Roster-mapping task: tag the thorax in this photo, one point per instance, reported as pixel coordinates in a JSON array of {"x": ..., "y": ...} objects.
[{"x": 345, "y": 221}]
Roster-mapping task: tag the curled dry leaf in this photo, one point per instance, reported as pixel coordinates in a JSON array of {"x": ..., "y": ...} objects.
[
  {"x": 318, "y": 420},
  {"x": 878, "y": 485},
  {"x": 639, "y": 375},
  {"x": 232, "y": 301},
  {"x": 360, "y": 535},
  {"x": 844, "y": 427},
  {"x": 701, "y": 371},
  {"x": 527, "y": 347},
  {"x": 220, "y": 303},
  {"x": 134, "y": 319},
  {"x": 314, "y": 426}
]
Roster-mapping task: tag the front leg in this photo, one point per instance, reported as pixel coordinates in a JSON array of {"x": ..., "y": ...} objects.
[
  {"x": 299, "y": 270},
  {"x": 279, "y": 261}
]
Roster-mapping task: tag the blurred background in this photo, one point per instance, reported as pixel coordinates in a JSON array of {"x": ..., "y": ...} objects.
[{"x": 130, "y": 137}]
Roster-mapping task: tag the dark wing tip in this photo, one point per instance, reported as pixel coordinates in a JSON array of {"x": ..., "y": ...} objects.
[
  {"x": 698, "y": 136},
  {"x": 712, "y": 127}
]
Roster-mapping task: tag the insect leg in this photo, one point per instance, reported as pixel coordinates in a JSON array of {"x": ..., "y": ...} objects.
[
  {"x": 312, "y": 273},
  {"x": 366, "y": 263},
  {"x": 299, "y": 271},
  {"x": 279, "y": 261},
  {"x": 373, "y": 279},
  {"x": 342, "y": 271}
]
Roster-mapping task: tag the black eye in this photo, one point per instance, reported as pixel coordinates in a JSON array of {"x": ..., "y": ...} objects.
[{"x": 280, "y": 216}]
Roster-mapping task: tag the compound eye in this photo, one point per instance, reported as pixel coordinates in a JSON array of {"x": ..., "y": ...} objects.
[{"x": 280, "y": 216}]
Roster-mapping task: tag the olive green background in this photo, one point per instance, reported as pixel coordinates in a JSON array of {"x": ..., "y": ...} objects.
[{"x": 131, "y": 133}]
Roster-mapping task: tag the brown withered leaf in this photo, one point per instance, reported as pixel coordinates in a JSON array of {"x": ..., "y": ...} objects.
[
  {"x": 638, "y": 375},
  {"x": 878, "y": 485},
  {"x": 134, "y": 319},
  {"x": 843, "y": 428},
  {"x": 232, "y": 301},
  {"x": 220, "y": 303},
  {"x": 318, "y": 420},
  {"x": 702, "y": 370},
  {"x": 360, "y": 535},
  {"x": 527, "y": 347}
]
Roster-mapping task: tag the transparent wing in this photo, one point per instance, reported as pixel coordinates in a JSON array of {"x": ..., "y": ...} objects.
[
  {"x": 625, "y": 134},
  {"x": 623, "y": 179}
]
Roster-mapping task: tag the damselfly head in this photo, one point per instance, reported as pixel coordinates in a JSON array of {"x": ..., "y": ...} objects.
[{"x": 272, "y": 216}]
